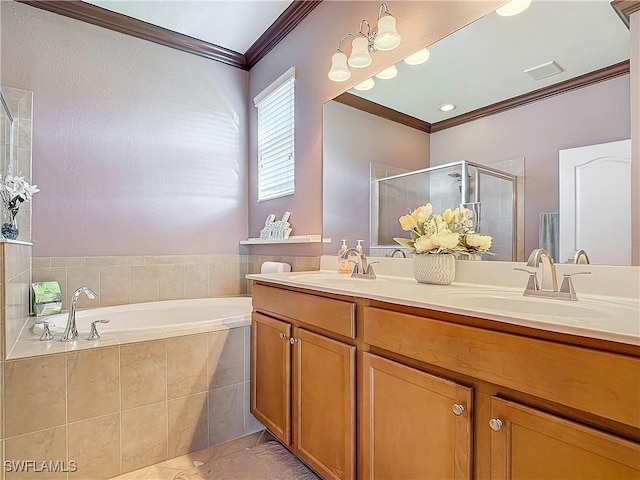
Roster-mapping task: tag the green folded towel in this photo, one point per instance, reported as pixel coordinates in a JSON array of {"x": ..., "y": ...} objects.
[{"x": 47, "y": 298}]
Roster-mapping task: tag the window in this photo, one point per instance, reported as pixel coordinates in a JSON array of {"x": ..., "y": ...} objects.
[{"x": 276, "y": 125}]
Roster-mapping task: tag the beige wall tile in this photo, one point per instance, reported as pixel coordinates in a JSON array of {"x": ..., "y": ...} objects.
[
  {"x": 48, "y": 444},
  {"x": 143, "y": 372},
  {"x": 113, "y": 261},
  {"x": 247, "y": 353},
  {"x": 114, "y": 285},
  {"x": 186, "y": 365},
  {"x": 196, "y": 281},
  {"x": 93, "y": 383},
  {"x": 171, "y": 282},
  {"x": 225, "y": 360},
  {"x": 251, "y": 424},
  {"x": 94, "y": 445},
  {"x": 220, "y": 283},
  {"x": 67, "y": 261},
  {"x": 32, "y": 405},
  {"x": 226, "y": 414},
  {"x": 41, "y": 262},
  {"x": 188, "y": 424},
  {"x": 171, "y": 259},
  {"x": 83, "y": 277},
  {"x": 144, "y": 436},
  {"x": 144, "y": 284}
]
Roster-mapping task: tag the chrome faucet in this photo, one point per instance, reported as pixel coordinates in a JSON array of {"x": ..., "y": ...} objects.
[
  {"x": 71, "y": 331},
  {"x": 579, "y": 256},
  {"x": 361, "y": 269},
  {"x": 397, "y": 250},
  {"x": 548, "y": 288}
]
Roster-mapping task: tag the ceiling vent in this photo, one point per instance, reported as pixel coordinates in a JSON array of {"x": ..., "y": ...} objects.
[{"x": 545, "y": 70}]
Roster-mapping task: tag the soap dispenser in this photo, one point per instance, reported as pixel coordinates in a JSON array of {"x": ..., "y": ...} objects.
[
  {"x": 359, "y": 246},
  {"x": 343, "y": 263}
]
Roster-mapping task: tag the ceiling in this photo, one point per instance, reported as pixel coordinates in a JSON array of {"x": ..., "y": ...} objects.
[
  {"x": 483, "y": 63},
  {"x": 234, "y": 25}
]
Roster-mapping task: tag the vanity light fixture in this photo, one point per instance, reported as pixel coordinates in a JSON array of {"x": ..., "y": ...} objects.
[
  {"x": 388, "y": 73},
  {"x": 368, "y": 84},
  {"x": 418, "y": 58},
  {"x": 514, "y": 7},
  {"x": 447, "y": 107},
  {"x": 384, "y": 37}
]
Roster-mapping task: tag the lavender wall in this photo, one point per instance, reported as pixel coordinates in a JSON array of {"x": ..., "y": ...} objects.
[
  {"x": 309, "y": 48},
  {"x": 591, "y": 115},
  {"x": 137, "y": 148}
]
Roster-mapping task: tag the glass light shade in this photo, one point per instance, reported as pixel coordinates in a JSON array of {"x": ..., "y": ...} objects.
[
  {"x": 388, "y": 37},
  {"x": 514, "y": 7},
  {"x": 417, "y": 58},
  {"x": 368, "y": 84},
  {"x": 339, "y": 71},
  {"x": 447, "y": 107},
  {"x": 360, "y": 57},
  {"x": 388, "y": 73}
]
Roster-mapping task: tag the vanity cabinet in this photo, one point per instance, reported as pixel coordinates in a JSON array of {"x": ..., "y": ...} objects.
[
  {"x": 415, "y": 425},
  {"x": 303, "y": 381}
]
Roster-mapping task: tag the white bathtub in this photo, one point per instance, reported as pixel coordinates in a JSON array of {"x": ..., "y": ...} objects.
[{"x": 165, "y": 316}]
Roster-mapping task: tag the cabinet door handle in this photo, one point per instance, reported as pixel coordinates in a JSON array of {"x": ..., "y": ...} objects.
[
  {"x": 495, "y": 424},
  {"x": 282, "y": 335},
  {"x": 293, "y": 340},
  {"x": 458, "y": 409}
]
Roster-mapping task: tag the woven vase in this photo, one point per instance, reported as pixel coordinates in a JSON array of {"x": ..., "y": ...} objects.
[{"x": 437, "y": 268}]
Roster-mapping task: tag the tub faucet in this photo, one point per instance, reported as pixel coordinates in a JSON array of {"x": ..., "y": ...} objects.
[{"x": 71, "y": 331}]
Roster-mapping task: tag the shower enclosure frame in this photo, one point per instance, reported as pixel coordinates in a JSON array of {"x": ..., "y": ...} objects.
[{"x": 464, "y": 193}]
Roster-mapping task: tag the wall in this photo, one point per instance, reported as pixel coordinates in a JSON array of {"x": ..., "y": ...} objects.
[
  {"x": 590, "y": 115},
  {"x": 348, "y": 153},
  {"x": 137, "y": 148},
  {"x": 309, "y": 48}
]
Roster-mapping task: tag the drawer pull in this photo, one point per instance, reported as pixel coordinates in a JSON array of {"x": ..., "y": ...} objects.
[
  {"x": 282, "y": 335},
  {"x": 293, "y": 340},
  {"x": 495, "y": 424},
  {"x": 458, "y": 409}
]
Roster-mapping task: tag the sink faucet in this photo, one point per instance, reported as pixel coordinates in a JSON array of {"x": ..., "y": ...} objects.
[
  {"x": 549, "y": 286},
  {"x": 362, "y": 268},
  {"x": 398, "y": 250},
  {"x": 71, "y": 331},
  {"x": 579, "y": 256}
]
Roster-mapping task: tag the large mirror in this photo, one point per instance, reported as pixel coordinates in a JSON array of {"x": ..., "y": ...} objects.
[{"x": 531, "y": 93}]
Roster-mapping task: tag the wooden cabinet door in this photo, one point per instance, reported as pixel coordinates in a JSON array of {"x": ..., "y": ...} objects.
[
  {"x": 414, "y": 425},
  {"x": 271, "y": 375},
  {"x": 527, "y": 443},
  {"x": 324, "y": 422}
]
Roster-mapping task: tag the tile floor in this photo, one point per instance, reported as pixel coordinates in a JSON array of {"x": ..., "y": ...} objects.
[{"x": 254, "y": 457}]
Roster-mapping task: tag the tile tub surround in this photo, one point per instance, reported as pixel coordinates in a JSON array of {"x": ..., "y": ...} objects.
[
  {"x": 16, "y": 282},
  {"x": 120, "y": 408}
]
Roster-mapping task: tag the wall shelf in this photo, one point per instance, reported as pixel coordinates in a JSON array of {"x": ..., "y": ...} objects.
[{"x": 317, "y": 238}]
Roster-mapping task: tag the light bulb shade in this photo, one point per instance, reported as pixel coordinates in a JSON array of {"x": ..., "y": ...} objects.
[
  {"x": 339, "y": 71},
  {"x": 417, "y": 58},
  {"x": 360, "y": 57},
  {"x": 387, "y": 37},
  {"x": 514, "y": 7},
  {"x": 368, "y": 84},
  {"x": 388, "y": 73}
]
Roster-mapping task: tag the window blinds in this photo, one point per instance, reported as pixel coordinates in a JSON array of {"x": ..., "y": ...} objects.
[{"x": 276, "y": 125}]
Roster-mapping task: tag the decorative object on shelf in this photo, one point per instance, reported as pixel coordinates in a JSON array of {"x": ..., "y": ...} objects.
[
  {"x": 276, "y": 229},
  {"x": 445, "y": 236},
  {"x": 14, "y": 190},
  {"x": 384, "y": 37},
  {"x": 46, "y": 298}
]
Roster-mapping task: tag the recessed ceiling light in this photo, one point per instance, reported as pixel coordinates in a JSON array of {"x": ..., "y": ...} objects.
[
  {"x": 514, "y": 7},
  {"x": 368, "y": 84},
  {"x": 447, "y": 107},
  {"x": 417, "y": 58},
  {"x": 387, "y": 73}
]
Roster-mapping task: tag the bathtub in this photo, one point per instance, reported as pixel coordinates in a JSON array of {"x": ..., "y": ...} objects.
[{"x": 169, "y": 316}]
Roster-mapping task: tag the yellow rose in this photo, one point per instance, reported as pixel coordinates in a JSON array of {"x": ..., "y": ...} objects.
[
  {"x": 422, "y": 214},
  {"x": 445, "y": 239},
  {"x": 448, "y": 215},
  {"x": 423, "y": 244},
  {"x": 481, "y": 242},
  {"x": 407, "y": 223}
]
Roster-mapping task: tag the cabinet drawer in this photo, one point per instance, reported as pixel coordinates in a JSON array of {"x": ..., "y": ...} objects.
[
  {"x": 332, "y": 315},
  {"x": 597, "y": 382}
]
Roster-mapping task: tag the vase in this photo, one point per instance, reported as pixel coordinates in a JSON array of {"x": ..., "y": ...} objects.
[
  {"x": 9, "y": 225},
  {"x": 434, "y": 268}
]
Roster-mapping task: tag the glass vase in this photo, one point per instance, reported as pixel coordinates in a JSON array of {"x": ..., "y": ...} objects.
[
  {"x": 10, "y": 229},
  {"x": 434, "y": 268}
]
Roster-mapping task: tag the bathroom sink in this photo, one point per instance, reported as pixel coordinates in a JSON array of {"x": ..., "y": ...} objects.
[{"x": 329, "y": 279}]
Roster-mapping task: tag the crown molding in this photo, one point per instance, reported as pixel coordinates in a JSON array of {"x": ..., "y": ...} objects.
[
  {"x": 287, "y": 21},
  {"x": 624, "y": 9}
]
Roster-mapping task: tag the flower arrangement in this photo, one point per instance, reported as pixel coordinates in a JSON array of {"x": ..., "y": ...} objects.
[
  {"x": 449, "y": 232},
  {"x": 14, "y": 190}
]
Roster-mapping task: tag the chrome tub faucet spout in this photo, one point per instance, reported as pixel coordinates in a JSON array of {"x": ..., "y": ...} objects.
[{"x": 71, "y": 331}]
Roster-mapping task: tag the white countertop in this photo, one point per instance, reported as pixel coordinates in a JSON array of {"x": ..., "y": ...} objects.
[{"x": 613, "y": 318}]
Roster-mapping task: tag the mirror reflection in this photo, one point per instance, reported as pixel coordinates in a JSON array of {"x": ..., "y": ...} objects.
[
  {"x": 532, "y": 96},
  {"x": 6, "y": 135}
]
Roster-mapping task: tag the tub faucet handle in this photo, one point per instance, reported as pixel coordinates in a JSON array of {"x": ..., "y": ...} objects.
[
  {"x": 93, "y": 333},
  {"x": 46, "y": 333}
]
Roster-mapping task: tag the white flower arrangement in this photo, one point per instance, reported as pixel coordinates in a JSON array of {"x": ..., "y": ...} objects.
[
  {"x": 449, "y": 232},
  {"x": 14, "y": 190}
]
